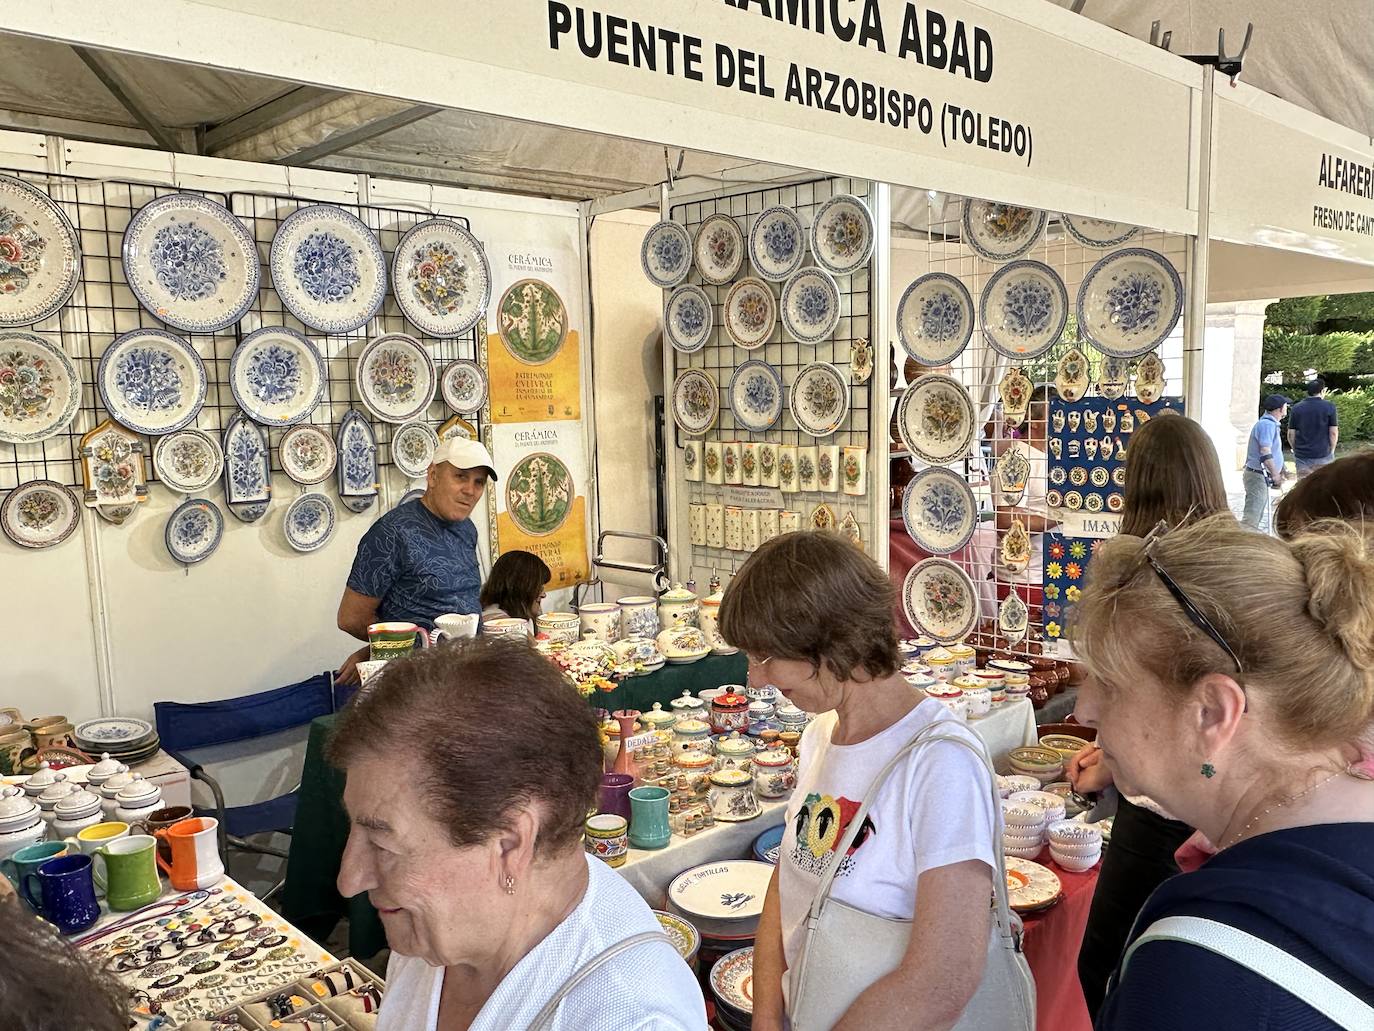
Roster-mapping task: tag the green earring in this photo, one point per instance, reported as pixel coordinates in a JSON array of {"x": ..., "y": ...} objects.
[{"x": 1208, "y": 770}]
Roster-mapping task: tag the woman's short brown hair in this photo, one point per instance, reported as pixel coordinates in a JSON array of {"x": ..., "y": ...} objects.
[
  {"x": 813, "y": 596},
  {"x": 1172, "y": 473},
  {"x": 1342, "y": 490},
  {"x": 494, "y": 726}
]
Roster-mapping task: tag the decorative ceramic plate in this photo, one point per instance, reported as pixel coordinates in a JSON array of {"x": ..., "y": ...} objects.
[
  {"x": 1030, "y": 886},
  {"x": 756, "y": 396},
  {"x": 40, "y": 514},
  {"x": 751, "y": 312},
  {"x": 193, "y": 531},
  {"x": 114, "y": 732},
  {"x": 666, "y": 255},
  {"x": 935, "y": 419},
  {"x": 1000, "y": 232},
  {"x": 728, "y": 891},
  {"x": 939, "y": 599},
  {"x": 277, "y": 376},
  {"x": 441, "y": 278},
  {"x": 696, "y": 401},
  {"x": 686, "y": 938},
  {"x": 247, "y": 468},
  {"x": 842, "y": 234},
  {"x": 777, "y": 243},
  {"x": 939, "y": 510},
  {"x": 42, "y": 255},
  {"x": 1023, "y": 309},
  {"x": 935, "y": 319},
  {"x": 396, "y": 378},
  {"x": 191, "y": 263},
  {"x": 151, "y": 381},
  {"x": 688, "y": 318},
  {"x": 411, "y": 495},
  {"x": 719, "y": 249},
  {"x": 819, "y": 399},
  {"x": 768, "y": 844},
  {"x": 532, "y": 321},
  {"x": 1129, "y": 302},
  {"x": 40, "y": 389},
  {"x": 1098, "y": 232},
  {"x": 309, "y": 522},
  {"x": 810, "y": 306},
  {"x": 188, "y": 460},
  {"x": 732, "y": 979},
  {"x": 307, "y": 454},
  {"x": 357, "y": 467},
  {"x": 464, "y": 386},
  {"x": 412, "y": 449},
  {"x": 328, "y": 268}
]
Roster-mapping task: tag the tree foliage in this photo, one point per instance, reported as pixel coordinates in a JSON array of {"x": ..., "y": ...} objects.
[
  {"x": 1299, "y": 314},
  {"x": 1294, "y": 353}
]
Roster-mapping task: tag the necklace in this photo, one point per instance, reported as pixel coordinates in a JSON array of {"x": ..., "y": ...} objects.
[{"x": 1279, "y": 805}]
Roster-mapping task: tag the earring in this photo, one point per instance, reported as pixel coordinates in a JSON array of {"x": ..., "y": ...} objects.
[
  {"x": 510, "y": 885},
  {"x": 1208, "y": 770}
]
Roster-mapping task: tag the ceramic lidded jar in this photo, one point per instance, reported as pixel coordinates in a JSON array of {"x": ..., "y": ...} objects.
[
  {"x": 111, "y": 788},
  {"x": 54, "y": 793},
  {"x": 38, "y": 782},
  {"x": 137, "y": 800},
  {"x": 692, "y": 734},
  {"x": 763, "y": 693},
  {"x": 941, "y": 663},
  {"x": 734, "y": 752},
  {"x": 791, "y": 717},
  {"x": 761, "y": 711},
  {"x": 979, "y": 701},
  {"x": 639, "y": 616},
  {"x": 775, "y": 773},
  {"x": 965, "y": 658},
  {"x": 697, "y": 766},
  {"x": 689, "y": 706},
  {"x": 657, "y": 719},
  {"x": 990, "y": 678},
  {"x": 729, "y": 712},
  {"x": 103, "y": 771},
  {"x": 76, "y": 812},
  {"x": 21, "y": 822},
  {"x": 708, "y": 617},
  {"x": 678, "y": 607},
  {"x": 732, "y": 795}
]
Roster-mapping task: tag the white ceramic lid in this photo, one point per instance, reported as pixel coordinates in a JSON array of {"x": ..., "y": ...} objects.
[
  {"x": 691, "y": 727},
  {"x": 678, "y": 593},
  {"x": 734, "y": 745},
  {"x": 105, "y": 769},
  {"x": 761, "y": 708},
  {"x": 655, "y": 717},
  {"x": 45, "y": 777},
  {"x": 731, "y": 778},
  {"x": 55, "y": 792},
  {"x": 16, "y": 810},
  {"x": 112, "y": 784},
  {"x": 138, "y": 792},
  {"x": 77, "y": 805},
  {"x": 777, "y": 755},
  {"x": 688, "y": 702}
]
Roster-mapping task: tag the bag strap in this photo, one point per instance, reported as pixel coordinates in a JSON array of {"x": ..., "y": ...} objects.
[
  {"x": 545, "y": 1015},
  {"x": 1273, "y": 964}
]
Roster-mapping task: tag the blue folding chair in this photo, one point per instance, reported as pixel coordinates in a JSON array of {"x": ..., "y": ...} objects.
[{"x": 188, "y": 726}]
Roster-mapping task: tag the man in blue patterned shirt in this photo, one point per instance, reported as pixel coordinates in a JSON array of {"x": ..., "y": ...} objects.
[{"x": 419, "y": 560}]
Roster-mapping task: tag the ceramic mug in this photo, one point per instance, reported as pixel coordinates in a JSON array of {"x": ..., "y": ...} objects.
[
  {"x": 649, "y": 827},
  {"x": 129, "y": 866},
  {"x": 607, "y": 838},
  {"x": 195, "y": 854},
  {"x": 63, "y": 893},
  {"x": 455, "y": 626},
  {"x": 29, "y": 858},
  {"x": 89, "y": 839},
  {"x": 614, "y": 794},
  {"x": 395, "y": 640},
  {"x": 161, "y": 819}
]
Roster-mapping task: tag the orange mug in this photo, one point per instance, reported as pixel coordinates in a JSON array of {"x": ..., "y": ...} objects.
[{"x": 195, "y": 853}]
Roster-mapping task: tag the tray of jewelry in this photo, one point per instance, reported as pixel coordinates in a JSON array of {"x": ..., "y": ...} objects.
[{"x": 344, "y": 995}]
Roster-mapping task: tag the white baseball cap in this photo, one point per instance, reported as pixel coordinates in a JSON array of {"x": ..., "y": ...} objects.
[{"x": 465, "y": 454}]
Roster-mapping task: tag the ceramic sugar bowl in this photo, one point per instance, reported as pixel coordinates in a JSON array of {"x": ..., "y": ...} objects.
[
  {"x": 678, "y": 607},
  {"x": 21, "y": 822},
  {"x": 52, "y": 794},
  {"x": 137, "y": 800},
  {"x": 39, "y": 782},
  {"x": 76, "y": 812},
  {"x": 111, "y": 788},
  {"x": 104, "y": 770},
  {"x": 692, "y": 733},
  {"x": 732, "y": 796},
  {"x": 734, "y": 752},
  {"x": 657, "y": 719},
  {"x": 689, "y": 706},
  {"x": 729, "y": 712},
  {"x": 775, "y": 772}
]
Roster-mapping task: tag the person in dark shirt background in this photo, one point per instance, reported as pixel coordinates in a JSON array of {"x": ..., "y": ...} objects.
[{"x": 1312, "y": 429}]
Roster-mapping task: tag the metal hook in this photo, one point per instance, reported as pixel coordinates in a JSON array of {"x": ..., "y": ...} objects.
[
  {"x": 1223, "y": 59},
  {"x": 1156, "y": 40}
]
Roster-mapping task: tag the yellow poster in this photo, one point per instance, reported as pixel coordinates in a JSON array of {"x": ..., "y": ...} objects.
[
  {"x": 539, "y": 504},
  {"x": 534, "y": 360},
  {"x": 564, "y": 550}
]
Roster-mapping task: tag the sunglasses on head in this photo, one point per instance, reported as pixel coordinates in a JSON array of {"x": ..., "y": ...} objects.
[{"x": 1194, "y": 613}]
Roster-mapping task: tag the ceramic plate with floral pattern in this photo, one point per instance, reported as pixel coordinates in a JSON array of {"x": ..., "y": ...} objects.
[
  {"x": 810, "y": 306},
  {"x": 935, "y": 319},
  {"x": 777, "y": 243},
  {"x": 191, "y": 263},
  {"x": 1098, "y": 233},
  {"x": 277, "y": 376},
  {"x": 751, "y": 312},
  {"x": 1129, "y": 302},
  {"x": 939, "y": 510},
  {"x": 193, "y": 531},
  {"x": 1031, "y": 886},
  {"x": 819, "y": 399},
  {"x": 1000, "y": 232},
  {"x": 309, "y": 522},
  {"x": 328, "y": 268},
  {"x": 464, "y": 386},
  {"x": 40, "y": 389},
  {"x": 412, "y": 449},
  {"x": 842, "y": 235},
  {"x": 1023, "y": 309},
  {"x": 40, "y": 514},
  {"x": 935, "y": 419},
  {"x": 756, "y": 396},
  {"x": 307, "y": 454},
  {"x": 696, "y": 401},
  {"x": 40, "y": 256},
  {"x": 396, "y": 378},
  {"x": 732, "y": 979},
  {"x": 939, "y": 600},
  {"x": 666, "y": 254},
  {"x": 188, "y": 460},
  {"x": 441, "y": 278},
  {"x": 151, "y": 381},
  {"x": 719, "y": 249},
  {"x": 688, "y": 318}
]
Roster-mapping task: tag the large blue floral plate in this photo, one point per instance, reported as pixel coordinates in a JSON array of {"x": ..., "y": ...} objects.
[
  {"x": 328, "y": 269},
  {"x": 1129, "y": 302},
  {"x": 1000, "y": 232},
  {"x": 40, "y": 257},
  {"x": 40, "y": 514},
  {"x": 696, "y": 401},
  {"x": 191, "y": 263},
  {"x": 810, "y": 306},
  {"x": 935, "y": 419},
  {"x": 194, "y": 531},
  {"x": 939, "y": 600},
  {"x": 277, "y": 376},
  {"x": 40, "y": 389},
  {"x": 939, "y": 510},
  {"x": 688, "y": 318},
  {"x": 412, "y": 449},
  {"x": 756, "y": 396},
  {"x": 935, "y": 319},
  {"x": 819, "y": 399},
  {"x": 719, "y": 249},
  {"x": 188, "y": 460},
  {"x": 357, "y": 469},
  {"x": 441, "y": 278},
  {"x": 666, "y": 254},
  {"x": 842, "y": 235},
  {"x": 1098, "y": 233},
  {"x": 396, "y": 378},
  {"x": 1023, "y": 309},
  {"x": 777, "y": 243},
  {"x": 464, "y": 386},
  {"x": 151, "y": 381},
  {"x": 307, "y": 454},
  {"x": 309, "y": 522},
  {"x": 247, "y": 462},
  {"x": 751, "y": 312}
]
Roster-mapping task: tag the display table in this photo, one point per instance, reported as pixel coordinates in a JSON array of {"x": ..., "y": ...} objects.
[
  {"x": 663, "y": 685},
  {"x": 1051, "y": 945}
]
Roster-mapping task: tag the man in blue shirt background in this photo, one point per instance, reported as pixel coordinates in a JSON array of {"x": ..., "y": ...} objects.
[
  {"x": 1264, "y": 460},
  {"x": 1313, "y": 429}
]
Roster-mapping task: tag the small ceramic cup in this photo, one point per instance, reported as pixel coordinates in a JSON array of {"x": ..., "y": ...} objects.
[{"x": 607, "y": 838}]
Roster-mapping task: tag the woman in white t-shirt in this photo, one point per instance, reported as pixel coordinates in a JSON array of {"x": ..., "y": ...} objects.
[{"x": 814, "y": 616}]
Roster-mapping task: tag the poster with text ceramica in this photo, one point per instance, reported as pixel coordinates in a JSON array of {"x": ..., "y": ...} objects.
[
  {"x": 534, "y": 358},
  {"x": 539, "y": 504}
]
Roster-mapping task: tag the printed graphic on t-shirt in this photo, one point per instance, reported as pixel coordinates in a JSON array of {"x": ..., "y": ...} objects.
[{"x": 821, "y": 822}]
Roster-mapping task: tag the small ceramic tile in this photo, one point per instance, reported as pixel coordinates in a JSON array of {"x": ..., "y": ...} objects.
[
  {"x": 787, "y": 468},
  {"x": 789, "y": 522},
  {"x": 849, "y": 526},
  {"x": 734, "y": 528},
  {"x": 711, "y": 461},
  {"x": 828, "y": 468},
  {"x": 806, "y": 468},
  {"x": 696, "y": 524},
  {"x": 768, "y": 464},
  {"x": 749, "y": 464},
  {"x": 715, "y": 526},
  {"x": 768, "y": 525},
  {"x": 730, "y": 461},
  {"x": 854, "y": 471},
  {"x": 691, "y": 461},
  {"x": 751, "y": 529}
]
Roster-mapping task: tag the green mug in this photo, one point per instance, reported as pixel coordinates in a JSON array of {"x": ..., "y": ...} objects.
[
  {"x": 395, "y": 640},
  {"x": 130, "y": 871}
]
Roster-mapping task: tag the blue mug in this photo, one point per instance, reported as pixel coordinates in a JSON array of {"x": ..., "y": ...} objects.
[{"x": 65, "y": 895}]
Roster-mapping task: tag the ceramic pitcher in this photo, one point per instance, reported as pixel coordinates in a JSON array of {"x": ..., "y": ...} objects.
[
  {"x": 195, "y": 853},
  {"x": 455, "y": 626}
]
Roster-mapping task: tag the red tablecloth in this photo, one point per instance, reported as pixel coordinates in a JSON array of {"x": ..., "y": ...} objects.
[{"x": 1051, "y": 942}]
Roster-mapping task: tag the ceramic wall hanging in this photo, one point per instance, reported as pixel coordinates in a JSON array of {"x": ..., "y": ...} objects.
[
  {"x": 1149, "y": 378},
  {"x": 666, "y": 254},
  {"x": 828, "y": 468},
  {"x": 459, "y": 428},
  {"x": 734, "y": 528},
  {"x": 752, "y": 534},
  {"x": 751, "y": 313},
  {"x": 939, "y": 510},
  {"x": 112, "y": 467},
  {"x": 357, "y": 449},
  {"x": 851, "y": 530},
  {"x": 40, "y": 388},
  {"x": 715, "y": 525},
  {"x": 40, "y": 514},
  {"x": 860, "y": 360},
  {"x": 819, "y": 399},
  {"x": 1000, "y": 232},
  {"x": 247, "y": 469},
  {"x": 719, "y": 249},
  {"x": 777, "y": 243},
  {"x": 729, "y": 461},
  {"x": 854, "y": 471},
  {"x": 188, "y": 460},
  {"x": 810, "y": 306},
  {"x": 696, "y": 525},
  {"x": 1016, "y": 546},
  {"x": 396, "y": 378},
  {"x": 1129, "y": 302},
  {"x": 193, "y": 531},
  {"x": 935, "y": 418},
  {"x": 1024, "y": 309},
  {"x": 749, "y": 464},
  {"x": 768, "y": 529},
  {"x": 1015, "y": 390},
  {"x": 842, "y": 235},
  {"x": 692, "y": 461},
  {"x": 1098, "y": 233},
  {"x": 309, "y": 522},
  {"x": 412, "y": 449},
  {"x": 307, "y": 454},
  {"x": 42, "y": 256},
  {"x": 806, "y": 468},
  {"x": 823, "y": 518},
  {"x": 756, "y": 396},
  {"x": 358, "y": 503},
  {"x": 151, "y": 381},
  {"x": 532, "y": 321},
  {"x": 1113, "y": 375},
  {"x": 414, "y": 494},
  {"x": 1013, "y": 470},
  {"x": 688, "y": 318},
  {"x": 191, "y": 263},
  {"x": 768, "y": 464},
  {"x": 1071, "y": 377},
  {"x": 441, "y": 278},
  {"x": 711, "y": 462},
  {"x": 277, "y": 376},
  {"x": 116, "y": 515},
  {"x": 938, "y": 599},
  {"x": 1013, "y": 617},
  {"x": 935, "y": 319},
  {"x": 464, "y": 386},
  {"x": 789, "y": 522},
  {"x": 787, "y": 468},
  {"x": 696, "y": 401},
  {"x": 328, "y": 268}
]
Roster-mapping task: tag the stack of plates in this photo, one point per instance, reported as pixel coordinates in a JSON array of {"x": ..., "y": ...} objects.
[
  {"x": 124, "y": 738},
  {"x": 723, "y": 900},
  {"x": 732, "y": 986}
]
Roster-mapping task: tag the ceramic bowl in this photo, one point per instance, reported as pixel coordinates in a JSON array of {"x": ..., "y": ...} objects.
[
  {"x": 1022, "y": 782},
  {"x": 1010, "y": 840},
  {"x": 1067, "y": 745},
  {"x": 1022, "y": 815},
  {"x": 1075, "y": 729},
  {"x": 1074, "y": 864},
  {"x": 1090, "y": 851},
  {"x": 1023, "y": 853},
  {"x": 1074, "y": 833}
]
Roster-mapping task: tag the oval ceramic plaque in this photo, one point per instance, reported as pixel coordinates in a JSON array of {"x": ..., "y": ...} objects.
[
  {"x": 939, "y": 510},
  {"x": 819, "y": 399},
  {"x": 328, "y": 268},
  {"x": 194, "y": 531},
  {"x": 441, "y": 278},
  {"x": 540, "y": 494},
  {"x": 1129, "y": 302},
  {"x": 666, "y": 254},
  {"x": 810, "y": 306},
  {"x": 935, "y": 419},
  {"x": 696, "y": 401},
  {"x": 307, "y": 454},
  {"x": 939, "y": 599},
  {"x": 751, "y": 312},
  {"x": 1000, "y": 232},
  {"x": 719, "y": 249},
  {"x": 1024, "y": 309},
  {"x": 412, "y": 449},
  {"x": 396, "y": 378},
  {"x": 309, "y": 522},
  {"x": 151, "y": 381},
  {"x": 40, "y": 514},
  {"x": 756, "y": 396},
  {"x": 688, "y": 318},
  {"x": 777, "y": 243},
  {"x": 40, "y": 389},
  {"x": 842, "y": 235},
  {"x": 1098, "y": 232},
  {"x": 188, "y": 460},
  {"x": 40, "y": 256},
  {"x": 277, "y": 376},
  {"x": 935, "y": 319},
  {"x": 464, "y": 386}
]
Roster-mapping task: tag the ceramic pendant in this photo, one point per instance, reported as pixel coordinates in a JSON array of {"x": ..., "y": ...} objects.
[
  {"x": 1013, "y": 469},
  {"x": 849, "y": 526},
  {"x": 1090, "y": 448},
  {"x": 1075, "y": 421},
  {"x": 1057, "y": 420},
  {"x": 1090, "y": 421},
  {"x": 787, "y": 468},
  {"x": 710, "y": 461},
  {"x": 1016, "y": 547},
  {"x": 1106, "y": 449},
  {"x": 1074, "y": 449},
  {"x": 730, "y": 461},
  {"x": 1015, "y": 391},
  {"x": 823, "y": 518},
  {"x": 860, "y": 360},
  {"x": 1112, "y": 375},
  {"x": 1127, "y": 422},
  {"x": 749, "y": 464},
  {"x": 1056, "y": 448},
  {"x": 768, "y": 465},
  {"x": 1072, "y": 379},
  {"x": 1109, "y": 420},
  {"x": 1120, "y": 450},
  {"x": 1149, "y": 378},
  {"x": 1013, "y": 618},
  {"x": 691, "y": 461},
  {"x": 852, "y": 471}
]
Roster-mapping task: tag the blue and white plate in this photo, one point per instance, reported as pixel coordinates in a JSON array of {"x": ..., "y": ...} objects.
[
  {"x": 40, "y": 389},
  {"x": 191, "y": 263},
  {"x": 40, "y": 514},
  {"x": 666, "y": 254},
  {"x": 819, "y": 399},
  {"x": 756, "y": 396},
  {"x": 1129, "y": 302},
  {"x": 1023, "y": 309},
  {"x": 719, "y": 249},
  {"x": 939, "y": 510},
  {"x": 1001, "y": 232},
  {"x": 464, "y": 386},
  {"x": 328, "y": 268},
  {"x": 188, "y": 460},
  {"x": 842, "y": 235},
  {"x": 247, "y": 462},
  {"x": 309, "y": 522},
  {"x": 935, "y": 319},
  {"x": 767, "y": 844},
  {"x": 118, "y": 732},
  {"x": 357, "y": 448},
  {"x": 277, "y": 376},
  {"x": 777, "y": 243},
  {"x": 412, "y": 449},
  {"x": 696, "y": 401},
  {"x": 151, "y": 381},
  {"x": 194, "y": 531},
  {"x": 1098, "y": 232},
  {"x": 688, "y": 318},
  {"x": 810, "y": 306},
  {"x": 441, "y": 278},
  {"x": 307, "y": 454},
  {"x": 751, "y": 313},
  {"x": 41, "y": 262},
  {"x": 396, "y": 378}
]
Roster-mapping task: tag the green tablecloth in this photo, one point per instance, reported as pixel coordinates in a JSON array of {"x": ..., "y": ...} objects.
[{"x": 665, "y": 684}]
